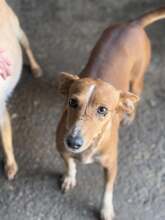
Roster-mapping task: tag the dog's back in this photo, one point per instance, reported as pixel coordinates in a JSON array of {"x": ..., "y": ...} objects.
[
  {"x": 120, "y": 48},
  {"x": 123, "y": 52}
]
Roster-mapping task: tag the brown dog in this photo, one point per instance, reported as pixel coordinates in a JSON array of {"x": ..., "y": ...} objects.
[
  {"x": 107, "y": 88},
  {"x": 12, "y": 37}
]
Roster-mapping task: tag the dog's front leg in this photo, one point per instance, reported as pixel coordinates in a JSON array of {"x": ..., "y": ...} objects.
[
  {"x": 69, "y": 181},
  {"x": 107, "y": 212},
  {"x": 6, "y": 133}
]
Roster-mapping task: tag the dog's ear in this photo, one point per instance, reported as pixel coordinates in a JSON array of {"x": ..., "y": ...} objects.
[
  {"x": 127, "y": 102},
  {"x": 65, "y": 81}
]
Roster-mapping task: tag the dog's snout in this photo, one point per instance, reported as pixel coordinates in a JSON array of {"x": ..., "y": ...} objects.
[{"x": 74, "y": 142}]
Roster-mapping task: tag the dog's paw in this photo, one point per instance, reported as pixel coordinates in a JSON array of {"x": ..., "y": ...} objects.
[
  {"x": 68, "y": 183},
  {"x": 107, "y": 214},
  {"x": 37, "y": 72},
  {"x": 11, "y": 170}
]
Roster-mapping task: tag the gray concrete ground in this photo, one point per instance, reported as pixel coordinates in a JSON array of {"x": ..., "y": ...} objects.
[{"x": 62, "y": 33}]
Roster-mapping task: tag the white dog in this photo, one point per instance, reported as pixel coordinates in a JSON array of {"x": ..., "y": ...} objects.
[{"x": 12, "y": 38}]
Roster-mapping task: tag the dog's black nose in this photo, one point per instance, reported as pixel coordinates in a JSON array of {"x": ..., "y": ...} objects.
[{"x": 74, "y": 142}]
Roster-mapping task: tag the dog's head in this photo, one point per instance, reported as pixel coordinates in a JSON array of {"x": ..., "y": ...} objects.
[{"x": 90, "y": 107}]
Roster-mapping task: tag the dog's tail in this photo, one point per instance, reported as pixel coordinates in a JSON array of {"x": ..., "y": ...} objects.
[{"x": 151, "y": 17}]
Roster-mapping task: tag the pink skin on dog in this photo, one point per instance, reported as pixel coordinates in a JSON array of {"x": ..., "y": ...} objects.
[{"x": 4, "y": 65}]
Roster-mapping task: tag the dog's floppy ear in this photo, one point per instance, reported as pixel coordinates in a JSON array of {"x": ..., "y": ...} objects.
[
  {"x": 127, "y": 102},
  {"x": 65, "y": 81}
]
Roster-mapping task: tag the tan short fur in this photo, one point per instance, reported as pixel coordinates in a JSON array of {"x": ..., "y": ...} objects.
[{"x": 12, "y": 37}]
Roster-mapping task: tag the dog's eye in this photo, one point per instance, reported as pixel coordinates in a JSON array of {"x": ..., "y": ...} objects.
[
  {"x": 102, "y": 110},
  {"x": 73, "y": 103}
]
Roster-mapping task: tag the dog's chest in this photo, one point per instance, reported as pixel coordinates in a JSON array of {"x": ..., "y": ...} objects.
[{"x": 88, "y": 157}]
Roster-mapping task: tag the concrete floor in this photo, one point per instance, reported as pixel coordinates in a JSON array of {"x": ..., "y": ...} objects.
[{"x": 62, "y": 33}]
